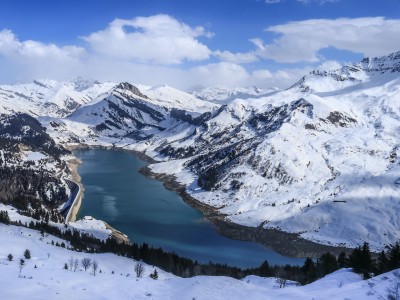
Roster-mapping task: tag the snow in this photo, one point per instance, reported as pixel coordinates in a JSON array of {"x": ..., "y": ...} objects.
[
  {"x": 224, "y": 95},
  {"x": 327, "y": 169},
  {"x": 338, "y": 175},
  {"x": 33, "y": 156},
  {"x": 91, "y": 226},
  {"x": 170, "y": 97},
  {"x": 49, "y": 97},
  {"x": 117, "y": 279}
]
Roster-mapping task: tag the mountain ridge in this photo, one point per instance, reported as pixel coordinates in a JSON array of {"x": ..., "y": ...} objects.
[{"x": 312, "y": 160}]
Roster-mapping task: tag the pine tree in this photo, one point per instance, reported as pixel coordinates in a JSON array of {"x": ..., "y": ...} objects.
[
  {"x": 309, "y": 270},
  {"x": 327, "y": 264},
  {"x": 394, "y": 257},
  {"x": 342, "y": 260},
  {"x": 361, "y": 261},
  {"x": 265, "y": 270},
  {"x": 382, "y": 263},
  {"x": 4, "y": 218},
  {"x": 27, "y": 254}
]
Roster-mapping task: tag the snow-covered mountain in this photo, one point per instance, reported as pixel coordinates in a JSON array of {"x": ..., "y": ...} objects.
[
  {"x": 49, "y": 97},
  {"x": 320, "y": 159},
  {"x": 370, "y": 71},
  {"x": 224, "y": 95}
]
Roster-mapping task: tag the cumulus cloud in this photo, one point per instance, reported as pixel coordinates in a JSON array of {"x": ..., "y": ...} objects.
[
  {"x": 302, "y": 40},
  {"x": 11, "y": 46},
  {"x": 273, "y": 1},
  {"x": 234, "y": 75},
  {"x": 303, "y": 1},
  {"x": 330, "y": 65},
  {"x": 221, "y": 73},
  {"x": 25, "y": 60},
  {"x": 317, "y": 1},
  {"x": 159, "y": 39},
  {"x": 148, "y": 50},
  {"x": 239, "y": 58}
]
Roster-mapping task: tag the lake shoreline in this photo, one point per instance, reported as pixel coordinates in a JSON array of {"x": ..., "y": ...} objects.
[
  {"x": 73, "y": 165},
  {"x": 284, "y": 243}
]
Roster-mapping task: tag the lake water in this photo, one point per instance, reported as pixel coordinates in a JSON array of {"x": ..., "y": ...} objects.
[{"x": 148, "y": 213}]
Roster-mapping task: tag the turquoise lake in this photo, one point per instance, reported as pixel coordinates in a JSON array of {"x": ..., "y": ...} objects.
[{"x": 149, "y": 213}]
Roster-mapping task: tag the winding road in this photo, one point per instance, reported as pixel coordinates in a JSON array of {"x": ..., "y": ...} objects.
[{"x": 76, "y": 193}]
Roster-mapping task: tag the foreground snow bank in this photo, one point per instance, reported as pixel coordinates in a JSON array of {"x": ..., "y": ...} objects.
[{"x": 117, "y": 279}]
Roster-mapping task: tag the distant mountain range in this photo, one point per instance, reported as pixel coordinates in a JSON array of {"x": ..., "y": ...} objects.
[{"x": 320, "y": 158}]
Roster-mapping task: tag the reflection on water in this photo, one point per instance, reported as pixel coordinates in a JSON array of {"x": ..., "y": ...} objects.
[{"x": 147, "y": 212}]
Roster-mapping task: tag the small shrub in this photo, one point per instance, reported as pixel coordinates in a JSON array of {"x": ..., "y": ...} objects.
[
  {"x": 139, "y": 269},
  {"x": 154, "y": 275}
]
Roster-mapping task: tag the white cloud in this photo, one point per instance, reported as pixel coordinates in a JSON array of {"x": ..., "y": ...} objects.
[
  {"x": 262, "y": 74},
  {"x": 317, "y": 1},
  {"x": 25, "y": 60},
  {"x": 157, "y": 39},
  {"x": 239, "y": 58},
  {"x": 148, "y": 50},
  {"x": 329, "y": 65},
  {"x": 302, "y": 1},
  {"x": 302, "y": 40},
  {"x": 223, "y": 73},
  {"x": 12, "y": 47}
]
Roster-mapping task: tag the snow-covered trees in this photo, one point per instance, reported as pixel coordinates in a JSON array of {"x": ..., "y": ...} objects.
[
  {"x": 71, "y": 263},
  {"x": 86, "y": 263},
  {"x": 4, "y": 218},
  {"x": 95, "y": 266},
  {"x": 139, "y": 269},
  {"x": 76, "y": 264},
  {"x": 21, "y": 265}
]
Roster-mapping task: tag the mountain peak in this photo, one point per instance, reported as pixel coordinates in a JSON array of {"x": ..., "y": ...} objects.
[
  {"x": 126, "y": 86},
  {"x": 382, "y": 64},
  {"x": 329, "y": 80}
]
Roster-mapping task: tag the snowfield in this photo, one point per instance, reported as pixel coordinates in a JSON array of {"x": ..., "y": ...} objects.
[
  {"x": 320, "y": 159},
  {"x": 117, "y": 279}
]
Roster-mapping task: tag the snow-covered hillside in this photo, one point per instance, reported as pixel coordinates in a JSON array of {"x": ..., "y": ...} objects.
[
  {"x": 223, "y": 95},
  {"x": 49, "y": 97},
  {"x": 43, "y": 276},
  {"x": 320, "y": 159}
]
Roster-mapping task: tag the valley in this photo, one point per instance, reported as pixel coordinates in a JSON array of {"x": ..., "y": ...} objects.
[{"x": 309, "y": 161}]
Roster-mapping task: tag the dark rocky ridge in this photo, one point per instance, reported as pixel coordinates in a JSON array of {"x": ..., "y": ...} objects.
[{"x": 20, "y": 183}]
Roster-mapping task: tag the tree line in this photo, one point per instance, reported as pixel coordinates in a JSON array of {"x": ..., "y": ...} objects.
[{"x": 360, "y": 259}]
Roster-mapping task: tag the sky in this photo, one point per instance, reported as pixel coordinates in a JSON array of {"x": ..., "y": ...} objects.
[{"x": 191, "y": 44}]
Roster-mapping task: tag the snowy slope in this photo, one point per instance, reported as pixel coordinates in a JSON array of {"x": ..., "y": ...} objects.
[
  {"x": 49, "y": 97},
  {"x": 320, "y": 159},
  {"x": 223, "y": 95},
  {"x": 313, "y": 161},
  {"x": 117, "y": 279},
  {"x": 172, "y": 98}
]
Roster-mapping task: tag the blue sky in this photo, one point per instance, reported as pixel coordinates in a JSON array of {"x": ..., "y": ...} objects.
[{"x": 191, "y": 43}]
